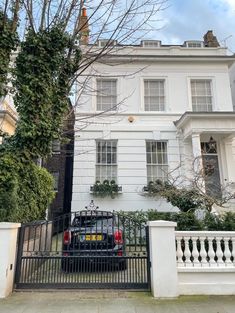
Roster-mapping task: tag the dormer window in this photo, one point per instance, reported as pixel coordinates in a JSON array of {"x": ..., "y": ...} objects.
[
  {"x": 151, "y": 43},
  {"x": 194, "y": 44},
  {"x": 106, "y": 42}
]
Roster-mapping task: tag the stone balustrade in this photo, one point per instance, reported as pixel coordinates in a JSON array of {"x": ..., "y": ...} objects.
[{"x": 205, "y": 249}]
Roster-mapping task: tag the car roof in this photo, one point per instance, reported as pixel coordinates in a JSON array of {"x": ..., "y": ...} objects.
[{"x": 94, "y": 213}]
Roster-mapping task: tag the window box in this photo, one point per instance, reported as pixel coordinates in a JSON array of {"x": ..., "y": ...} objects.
[{"x": 106, "y": 189}]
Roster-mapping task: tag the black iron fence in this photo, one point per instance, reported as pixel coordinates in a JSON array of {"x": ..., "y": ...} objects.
[{"x": 85, "y": 249}]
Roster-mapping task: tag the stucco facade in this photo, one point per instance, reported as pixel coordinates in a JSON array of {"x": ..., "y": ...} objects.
[
  {"x": 8, "y": 117},
  {"x": 131, "y": 126}
]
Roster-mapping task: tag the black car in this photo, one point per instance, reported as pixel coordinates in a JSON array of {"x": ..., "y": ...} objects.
[{"x": 95, "y": 238}]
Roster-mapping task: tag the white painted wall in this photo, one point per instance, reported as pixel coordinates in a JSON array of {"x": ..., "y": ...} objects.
[
  {"x": 8, "y": 244},
  {"x": 164, "y": 275},
  {"x": 146, "y": 125},
  {"x": 206, "y": 281},
  {"x": 172, "y": 275},
  {"x": 232, "y": 83}
]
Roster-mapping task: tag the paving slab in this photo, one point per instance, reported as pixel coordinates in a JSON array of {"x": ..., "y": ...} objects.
[{"x": 110, "y": 301}]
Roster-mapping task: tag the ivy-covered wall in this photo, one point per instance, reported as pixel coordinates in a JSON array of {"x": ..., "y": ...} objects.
[{"x": 41, "y": 77}]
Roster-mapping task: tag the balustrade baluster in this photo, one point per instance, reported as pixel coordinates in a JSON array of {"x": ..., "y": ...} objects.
[
  {"x": 227, "y": 252},
  {"x": 187, "y": 252},
  {"x": 211, "y": 252},
  {"x": 180, "y": 253},
  {"x": 203, "y": 253},
  {"x": 233, "y": 249},
  {"x": 195, "y": 252},
  {"x": 219, "y": 252}
]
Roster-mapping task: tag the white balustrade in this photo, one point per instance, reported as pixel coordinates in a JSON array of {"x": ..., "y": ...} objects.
[{"x": 205, "y": 249}]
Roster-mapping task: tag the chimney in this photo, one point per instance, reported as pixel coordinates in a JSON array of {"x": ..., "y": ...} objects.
[
  {"x": 210, "y": 40},
  {"x": 84, "y": 28}
]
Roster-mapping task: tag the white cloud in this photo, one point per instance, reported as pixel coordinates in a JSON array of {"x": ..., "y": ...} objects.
[
  {"x": 231, "y": 3},
  {"x": 186, "y": 20}
]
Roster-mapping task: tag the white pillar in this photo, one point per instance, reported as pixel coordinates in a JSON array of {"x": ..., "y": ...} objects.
[
  {"x": 164, "y": 276},
  {"x": 229, "y": 159},
  {"x": 197, "y": 154},
  {"x": 8, "y": 247}
]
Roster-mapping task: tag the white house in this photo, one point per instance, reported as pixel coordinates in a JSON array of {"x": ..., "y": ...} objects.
[{"x": 149, "y": 110}]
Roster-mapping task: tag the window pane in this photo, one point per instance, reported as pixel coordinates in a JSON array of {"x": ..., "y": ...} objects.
[
  {"x": 201, "y": 95},
  {"x": 106, "y": 167},
  {"x": 106, "y": 94},
  {"x": 154, "y": 95},
  {"x": 157, "y": 163}
]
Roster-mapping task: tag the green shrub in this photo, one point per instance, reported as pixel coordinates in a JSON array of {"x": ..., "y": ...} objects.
[
  {"x": 26, "y": 190},
  {"x": 182, "y": 198},
  {"x": 187, "y": 221}
]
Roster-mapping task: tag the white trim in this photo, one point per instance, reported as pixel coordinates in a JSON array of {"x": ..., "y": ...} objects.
[
  {"x": 166, "y": 94},
  {"x": 118, "y": 89},
  {"x": 212, "y": 79}
]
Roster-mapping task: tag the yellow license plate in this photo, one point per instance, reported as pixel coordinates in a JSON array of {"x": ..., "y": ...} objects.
[{"x": 93, "y": 237}]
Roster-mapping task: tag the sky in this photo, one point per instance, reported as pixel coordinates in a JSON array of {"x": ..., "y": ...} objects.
[{"x": 190, "y": 20}]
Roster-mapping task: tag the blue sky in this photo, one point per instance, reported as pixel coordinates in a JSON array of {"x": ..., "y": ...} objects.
[{"x": 190, "y": 20}]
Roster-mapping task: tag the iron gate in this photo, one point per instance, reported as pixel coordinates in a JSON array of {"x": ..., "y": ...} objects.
[{"x": 85, "y": 249}]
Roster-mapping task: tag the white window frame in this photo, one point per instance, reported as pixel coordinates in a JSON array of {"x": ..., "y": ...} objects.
[
  {"x": 155, "y": 161},
  {"x": 166, "y": 95},
  {"x": 151, "y": 44},
  {"x": 117, "y": 92},
  {"x": 198, "y": 43},
  {"x": 106, "y": 165},
  {"x": 213, "y": 83}
]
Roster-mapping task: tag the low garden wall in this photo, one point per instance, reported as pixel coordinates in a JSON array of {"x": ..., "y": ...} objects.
[{"x": 205, "y": 262}]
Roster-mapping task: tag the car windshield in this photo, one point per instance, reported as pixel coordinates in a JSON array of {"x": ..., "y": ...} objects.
[{"x": 93, "y": 221}]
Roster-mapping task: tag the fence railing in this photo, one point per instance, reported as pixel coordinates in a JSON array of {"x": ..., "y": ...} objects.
[{"x": 205, "y": 249}]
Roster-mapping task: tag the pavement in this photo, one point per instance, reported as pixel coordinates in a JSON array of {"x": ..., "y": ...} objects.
[{"x": 110, "y": 301}]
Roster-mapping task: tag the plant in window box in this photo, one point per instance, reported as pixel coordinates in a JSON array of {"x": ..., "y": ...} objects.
[
  {"x": 157, "y": 187},
  {"x": 105, "y": 189}
]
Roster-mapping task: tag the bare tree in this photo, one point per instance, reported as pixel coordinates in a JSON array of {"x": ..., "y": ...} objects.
[
  {"x": 118, "y": 21},
  {"x": 193, "y": 188}
]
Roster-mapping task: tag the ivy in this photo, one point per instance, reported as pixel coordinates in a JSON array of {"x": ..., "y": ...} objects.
[
  {"x": 8, "y": 43},
  {"x": 45, "y": 66},
  {"x": 43, "y": 73}
]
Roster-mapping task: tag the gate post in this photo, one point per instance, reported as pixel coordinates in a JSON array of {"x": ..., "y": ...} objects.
[
  {"x": 8, "y": 247},
  {"x": 164, "y": 277}
]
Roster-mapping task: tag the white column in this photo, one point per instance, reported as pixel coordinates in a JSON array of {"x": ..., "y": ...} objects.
[
  {"x": 197, "y": 154},
  {"x": 229, "y": 159},
  {"x": 164, "y": 277},
  {"x": 8, "y": 246}
]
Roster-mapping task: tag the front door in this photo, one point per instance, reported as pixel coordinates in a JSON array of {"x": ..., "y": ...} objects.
[{"x": 211, "y": 169}]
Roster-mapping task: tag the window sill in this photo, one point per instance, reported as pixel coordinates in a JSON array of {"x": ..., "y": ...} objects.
[{"x": 92, "y": 189}]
